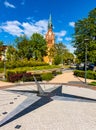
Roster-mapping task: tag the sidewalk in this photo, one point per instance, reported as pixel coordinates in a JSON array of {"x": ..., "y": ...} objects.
[
  {"x": 68, "y": 77},
  {"x": 56, "y": 115}
]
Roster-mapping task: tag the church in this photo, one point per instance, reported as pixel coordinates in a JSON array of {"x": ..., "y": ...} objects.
[{"x": 50, "y": 39}]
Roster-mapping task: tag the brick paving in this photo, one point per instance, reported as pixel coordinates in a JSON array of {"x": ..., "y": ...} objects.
[{"x": 56, "y": 115}]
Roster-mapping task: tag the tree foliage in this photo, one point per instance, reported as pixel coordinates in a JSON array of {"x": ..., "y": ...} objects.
[
  {"x": 38, "y": 45},
  {"x": 11, "y": 54},
  {"x": 85, "y": 34},
  {"x": 61, "y": 54},
  {"x": 23, "y": 47},
  {"x": 1, "y": 43},
  {"x": 35, "y": 47}
]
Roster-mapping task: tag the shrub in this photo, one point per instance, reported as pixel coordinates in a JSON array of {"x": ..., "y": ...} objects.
[
  {"x": 1, "y": 64},
  {"x": 92, "y": 83},
  {"x": 14, "y": 76},
  {"x": 90, "y": 74},
  {"x": 24, "y": 63},
  {"x": 47, "y": 76},
  {"x": 29, "y": 77},
  {"x": 79, "y": 73},
  {"x": 57, "y": 60}
]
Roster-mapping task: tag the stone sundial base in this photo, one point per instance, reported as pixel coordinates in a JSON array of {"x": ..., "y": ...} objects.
[{"x": 38, "y": 98}]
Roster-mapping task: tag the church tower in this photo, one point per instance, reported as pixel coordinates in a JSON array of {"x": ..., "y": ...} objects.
[{"x": 50, "y": 39}]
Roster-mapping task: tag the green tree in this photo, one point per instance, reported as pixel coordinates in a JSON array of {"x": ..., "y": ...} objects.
[
  {"x": 38, "y": 45},
  {"x": 1, "y": 43},
  {"x": 11, "y": 54},
  {"x": 68, "y": 57},
  {"x": 85, "y": 34},
  {"x": 23, "y": 47},
  {"x": 1, "y": 47},
  {"x": 62, "y": 55}
]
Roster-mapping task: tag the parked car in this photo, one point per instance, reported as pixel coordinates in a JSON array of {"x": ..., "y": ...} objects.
[{"x": 91, "y": 66}]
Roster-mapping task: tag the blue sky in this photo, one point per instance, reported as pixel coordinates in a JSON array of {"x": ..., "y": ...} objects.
[{"x": 19, "y": 17}]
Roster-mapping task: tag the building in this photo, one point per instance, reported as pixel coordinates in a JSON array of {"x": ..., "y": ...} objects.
[
  {"x": 3, "y": 50},
  {"x": 50, "y": 39}
]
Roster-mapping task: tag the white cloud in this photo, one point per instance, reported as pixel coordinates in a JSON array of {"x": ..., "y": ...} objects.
[
  {"x": 42, "y": 24},
  {"x": 29, "y": 29},
  {"x": 33, "y": 27},
  {"x": 16, "y": 28},
  {"x": 72, "y": 24},
  {"x": 7, "y": 4},
  {"x": 68, "y": 38},
  {"x": 60, "y": 35},
  {"x": 59, "y": 39},
  {"x": 70, "y": 48},
  {"x": 12, "y": 27}
]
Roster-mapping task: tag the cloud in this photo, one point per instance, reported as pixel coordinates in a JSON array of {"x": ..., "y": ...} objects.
[
  {"x": 59, "y": 39},
  {"x": 12, "y": 27},
  {"x": 7, "y": 4},
  {"x": 68, "y": 38},
  {"x": 60, "y": 35},
  {"x": 33, "y": 27},
  {"x": 70, "y": 48},
  {"x": 72, "y": 24},
  {"x": 16, "y": 28}
]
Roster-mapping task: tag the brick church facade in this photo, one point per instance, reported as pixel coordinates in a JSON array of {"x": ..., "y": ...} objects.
[{"x": 50, "y": 39}]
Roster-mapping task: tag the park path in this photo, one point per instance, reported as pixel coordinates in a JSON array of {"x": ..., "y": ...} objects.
[{"x": 69, "y": 77}]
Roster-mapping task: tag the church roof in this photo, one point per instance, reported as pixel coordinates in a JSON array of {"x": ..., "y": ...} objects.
[{"x": 50, "y": 22}]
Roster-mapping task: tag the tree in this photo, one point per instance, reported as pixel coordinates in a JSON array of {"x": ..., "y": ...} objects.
[
  {"x": 68, "y": 57},
  {"x": 2, "y": 47},
  {"x": 38, "y": 45},
  {"x": 62, "y": 55},
  {"x": 23, "y": 47},
  {"x": 1, "y": 43},
  {"x": 86, "y": 29},
  {"x": 11, "y": 54}
]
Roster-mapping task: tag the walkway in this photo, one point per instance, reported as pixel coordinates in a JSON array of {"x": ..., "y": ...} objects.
[
  {"x": 68, "y": 77},
  {"x": 56, "y": 115}
]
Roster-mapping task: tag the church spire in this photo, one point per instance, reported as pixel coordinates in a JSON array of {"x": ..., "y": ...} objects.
[{"x": 50, "y": 22}]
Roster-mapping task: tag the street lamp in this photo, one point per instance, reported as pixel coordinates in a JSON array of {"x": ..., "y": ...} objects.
[
  {"x": 85, "y": 41},
  {"x": 4, "y": 65}
]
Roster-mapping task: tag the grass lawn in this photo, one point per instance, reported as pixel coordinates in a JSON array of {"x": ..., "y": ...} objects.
[{"x": 92, "y": 83}]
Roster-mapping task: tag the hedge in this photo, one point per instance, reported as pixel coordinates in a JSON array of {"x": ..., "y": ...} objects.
[
  {"x": 1, "y": 64},
  {"x": 90, "y": 74},
  {"x": 15, "y": 76},
  {"x": 24, "y": 63},
  {"x": 47, "y": 76}
]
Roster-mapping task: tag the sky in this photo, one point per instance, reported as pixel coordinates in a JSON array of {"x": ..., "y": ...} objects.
[{"x": 18, "y": 17}]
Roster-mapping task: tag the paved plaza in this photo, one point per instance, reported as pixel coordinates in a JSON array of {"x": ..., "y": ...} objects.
[{"x": 76, "y": 112}]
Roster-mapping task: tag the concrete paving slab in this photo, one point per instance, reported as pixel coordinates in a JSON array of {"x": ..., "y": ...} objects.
[{"x": 56, "y": 115}]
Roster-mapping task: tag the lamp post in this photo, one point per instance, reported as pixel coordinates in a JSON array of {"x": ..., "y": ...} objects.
[
  {"x": 4, "y": 65},
  {"x": 85, "y": 41}
]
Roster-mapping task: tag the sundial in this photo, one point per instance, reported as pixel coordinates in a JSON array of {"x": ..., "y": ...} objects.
[{"x": 36, "y": 99}]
